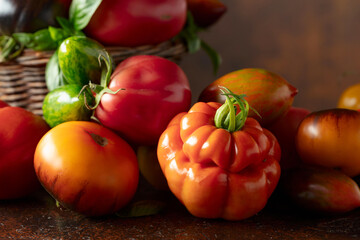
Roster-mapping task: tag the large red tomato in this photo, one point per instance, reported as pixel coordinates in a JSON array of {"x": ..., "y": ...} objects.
[
  {"x": 87, "y": 168},
  {"x": 133, "y": 23},
  {"x": 20, "y": 131},
  {"x": 156, "y": 89}
]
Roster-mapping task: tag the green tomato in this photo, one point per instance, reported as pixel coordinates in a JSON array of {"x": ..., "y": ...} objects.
[
  {"x": 64, "y": 104},
  {"x": 79, "y": 60}
]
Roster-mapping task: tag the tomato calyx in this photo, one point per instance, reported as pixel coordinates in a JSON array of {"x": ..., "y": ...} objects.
[
  {"x": 227, "y": 116},
  {"x": 99, "y": 90}
]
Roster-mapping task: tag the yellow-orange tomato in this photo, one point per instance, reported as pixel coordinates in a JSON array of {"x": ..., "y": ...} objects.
[
  {"x": 87, "y": 168},
  {"x": 350, "y": 98},
  {"x": 331, "y": 138}
]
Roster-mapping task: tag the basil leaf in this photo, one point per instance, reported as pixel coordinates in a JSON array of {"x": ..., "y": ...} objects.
[
  {"x": 53, "y": 75},
  {"x": 81, "y": 12},
  {"x": 69, "y": 27},
  {"x": 189, "y": 34},
  {"x": 141, "y": 208},
  {"x": 214, "y": 56},
  {"x": 39, "y": 41},
  {"x": 23, "y": 38},
  {"x": 58, "y": 34},
  {"x": 43, "y": 41},
  {"x": 9, "y": 48}
]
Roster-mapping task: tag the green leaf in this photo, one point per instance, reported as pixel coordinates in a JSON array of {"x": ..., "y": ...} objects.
[
  {"x": 9, "y": 48},
  {"x": 214, "y": 56},
  {"x": 141, "y": 208},
  {"x": 81, "y": 12},
  {"x": 68, "y": 26},
  {"x": 58, "y": 34},
  {"x": 40, "y": 40},
  {"x": 190, "y": 35},
  {"x": 23, "y": 38},
  {"x": 53, "y": 75}
]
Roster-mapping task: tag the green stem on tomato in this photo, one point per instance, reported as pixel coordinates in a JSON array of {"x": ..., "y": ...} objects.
[
  {"x": 226, "y": 116},
  {"x": 101, "y": 89}
]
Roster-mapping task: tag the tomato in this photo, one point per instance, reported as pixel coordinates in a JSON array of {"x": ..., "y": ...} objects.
[
  {"x": 150, "y": 168},
  {"x": 132, "y": 23},
  {"x": 206, "y": 12},
  {"x": 156, "y": 89},
  {"x": 268, "y": 93},
  {"x": 20, "y": 131},
  {"x": 321, "y": 189},
  {"x": 331, "y": 138},
  {"x": 285, "y": 129},
  {"x": 87, "y": 168},
  {"x": 64, "y": 104},
  {"x": 219, "y": 165},
  {"x": 350, "y": 98},
  {"x": 79, "y": 60},
  {"x": 3, "y": 104}
]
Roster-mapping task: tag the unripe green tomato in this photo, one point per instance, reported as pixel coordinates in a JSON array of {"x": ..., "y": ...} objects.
[{"x": 65, "y": 104}]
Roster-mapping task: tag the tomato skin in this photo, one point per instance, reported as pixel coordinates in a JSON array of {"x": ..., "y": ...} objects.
[
  {"x": 3, "y": 104},
  {"x": 206, "y": 12},
  {"x": 350, "y": 98},
  {"x": 64, "y": 104},
  {"x": 132, "y": 23},
  {"x": 20, "y": 131},
  {"x": 266, "y": 92},
  {"x": 156, "y": 89},
  {"x": 321, "y": 189},
  {"x": 87, "y": 168},
  {"x": 215, "y": 173},
  {"x": 331, "y": 138},
  {"x": 285, "y": 129}
]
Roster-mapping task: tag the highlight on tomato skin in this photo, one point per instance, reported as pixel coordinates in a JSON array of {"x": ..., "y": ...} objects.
[{"x": 87, "y": 168}]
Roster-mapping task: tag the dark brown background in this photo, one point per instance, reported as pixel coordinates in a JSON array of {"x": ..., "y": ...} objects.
[{"x": 314, "y": 44}]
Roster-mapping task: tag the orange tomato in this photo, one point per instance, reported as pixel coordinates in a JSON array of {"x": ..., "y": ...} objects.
[
  {"x": 87, "y": 168},
  {"x": 331, "y": 138},
  {"x": 266, "y": 92},
  {"x": 350, "y": 98}
]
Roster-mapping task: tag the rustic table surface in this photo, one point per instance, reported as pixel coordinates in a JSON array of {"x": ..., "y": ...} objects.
[{"x": 38, "y": 217}]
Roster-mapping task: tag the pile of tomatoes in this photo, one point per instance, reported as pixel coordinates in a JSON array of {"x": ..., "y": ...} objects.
[{"x": 222, "y": 157}]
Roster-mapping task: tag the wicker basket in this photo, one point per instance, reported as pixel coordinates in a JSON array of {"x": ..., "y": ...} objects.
[{"x": 22, "y": 81}]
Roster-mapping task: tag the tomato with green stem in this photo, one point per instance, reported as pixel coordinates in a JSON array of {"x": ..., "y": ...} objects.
[
  {"x": 65, "y": 104},
  {"x": 218, "y": 162},
  {"x": 155, "y": 90}
]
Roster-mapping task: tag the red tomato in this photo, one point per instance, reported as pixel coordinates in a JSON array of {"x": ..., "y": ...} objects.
[
  {"x": 331, "y": 138},
  {"x": 3, "y": 104},
  {"x": 87, "y": 168},
  {"x": 20, "y": 131},
  {"x": 156, "y": 89},
  {"x": 133, "y": 23},
  {"x": 206, "y": 12},
  {"x": 284, "y": 130}
]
